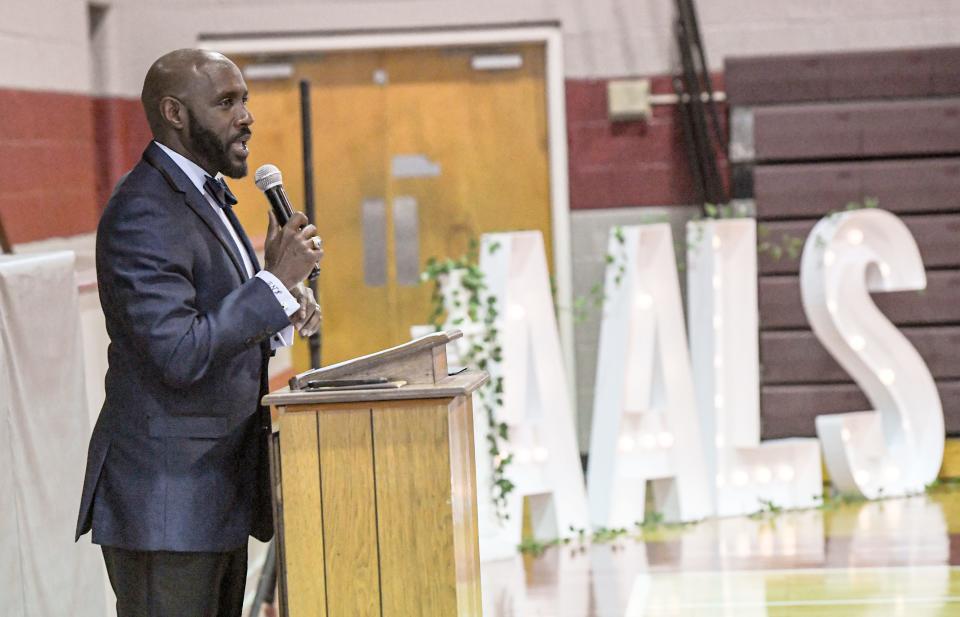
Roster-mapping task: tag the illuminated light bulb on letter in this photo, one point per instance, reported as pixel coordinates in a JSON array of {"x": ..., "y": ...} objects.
[
  {"x": 845, "y": 434},
  {"x": 648, "y": 441},
  {"x": 643, "y": 301},
  {"x": 717, "y": 361},
  {"x": 717, "y": 322},
  {"x": 857, "y": 342},
  {"x": 762, "y": 475},
  {"x": 855, "y": 236},
  {"x": 885, "y": 269},
  {"x": 720, "y": 481},
  {"x": 829, "y": 257},
  {"x": 719, "y": 440},
  {"x": 740, "y": 478},
  {"x": 627, "y": 444},
  {"x": 862, "y": 476},
  {"x": 785, "y": 473},
  {"x": 524, "y": 455},
  {"x": 517, "y": 312},
  {"x": 665, "y": 439},
  {"x": 718, "y": 400},
  {"x": 716, "y": 242},
  {"x": 540, "y": 454},
  {"x": 717, "y": 281},
  {"x": 887, "y": 376}
]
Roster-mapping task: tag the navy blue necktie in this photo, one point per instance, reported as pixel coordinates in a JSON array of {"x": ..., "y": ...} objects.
[{"x": 219, "y": 190}]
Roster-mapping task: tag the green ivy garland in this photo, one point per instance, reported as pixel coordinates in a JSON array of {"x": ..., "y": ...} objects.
[
  {"x": 868, "y": 203},
  {"x": 469, "y": 303},
  {"x": 594, "y": 299}
]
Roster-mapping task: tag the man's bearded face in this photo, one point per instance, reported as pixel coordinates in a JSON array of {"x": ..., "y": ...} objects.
[{"x": 216, "y": 151}]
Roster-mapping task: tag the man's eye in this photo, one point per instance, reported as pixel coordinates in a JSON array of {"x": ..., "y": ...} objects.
[{"x": 226, "y": 102}]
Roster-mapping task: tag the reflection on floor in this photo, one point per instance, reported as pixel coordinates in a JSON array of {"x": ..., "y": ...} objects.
[{"x": 891, "y": 557}]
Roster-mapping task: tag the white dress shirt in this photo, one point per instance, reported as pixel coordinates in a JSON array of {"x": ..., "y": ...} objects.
[{"x": 198, "y": 176}]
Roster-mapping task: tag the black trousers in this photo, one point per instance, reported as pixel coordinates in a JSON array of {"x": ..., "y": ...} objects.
[{"x": 165, "y": 584}]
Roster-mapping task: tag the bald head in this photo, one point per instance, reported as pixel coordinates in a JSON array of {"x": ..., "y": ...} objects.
[
  {"x": 196, "y": 103},
  {"x": 177, "y": 74}
]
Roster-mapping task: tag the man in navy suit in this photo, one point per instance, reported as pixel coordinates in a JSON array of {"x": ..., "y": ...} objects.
[{"x": 177, "y": 471}]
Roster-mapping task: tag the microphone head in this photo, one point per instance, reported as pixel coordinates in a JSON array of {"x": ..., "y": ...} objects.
[{"x": 267, "y": 176}]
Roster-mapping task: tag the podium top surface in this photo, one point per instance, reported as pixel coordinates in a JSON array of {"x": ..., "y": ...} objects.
[
  {"x": 454, "y": 385},
  {"x": 420, "y": 361}
]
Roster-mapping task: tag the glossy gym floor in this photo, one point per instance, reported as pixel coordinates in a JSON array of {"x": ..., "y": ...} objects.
[{"x": 890, "y": 557}]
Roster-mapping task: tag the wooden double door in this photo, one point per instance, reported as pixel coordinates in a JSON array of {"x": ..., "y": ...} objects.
[{"x": 416, "y": 152}]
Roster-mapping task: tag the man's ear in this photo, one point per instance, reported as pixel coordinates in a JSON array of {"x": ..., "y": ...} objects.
[{"x": 173, "y": 112}]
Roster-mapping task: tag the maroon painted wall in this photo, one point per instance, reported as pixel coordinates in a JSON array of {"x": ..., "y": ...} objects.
[
  {"x": 60, "y": 155},
  {"x": 622, "y": 164}
]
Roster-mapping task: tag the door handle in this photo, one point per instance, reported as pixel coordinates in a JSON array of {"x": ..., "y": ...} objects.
[
  {"x": 373, "y": 213},
  {"x": 406, "y": 240}
]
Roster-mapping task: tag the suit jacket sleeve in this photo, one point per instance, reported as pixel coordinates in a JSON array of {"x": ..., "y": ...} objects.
[{"x": 145, "y": 260}]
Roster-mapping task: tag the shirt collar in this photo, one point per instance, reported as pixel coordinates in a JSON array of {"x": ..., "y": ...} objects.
[{"x": 193, "y": 171}]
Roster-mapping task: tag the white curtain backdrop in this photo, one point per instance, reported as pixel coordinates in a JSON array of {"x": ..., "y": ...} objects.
[{"x": 44, "y": 429}]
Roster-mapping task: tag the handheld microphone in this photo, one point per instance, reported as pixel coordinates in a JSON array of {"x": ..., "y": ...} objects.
[{"x": 269, "y": 180}]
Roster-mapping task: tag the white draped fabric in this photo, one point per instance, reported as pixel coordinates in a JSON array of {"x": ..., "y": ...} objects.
[{"x": 44, "y": 429}]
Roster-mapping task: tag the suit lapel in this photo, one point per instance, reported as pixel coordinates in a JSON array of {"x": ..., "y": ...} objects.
[
  {"x": 197, "y": 202},
  {"x": 247, "y": 245}
]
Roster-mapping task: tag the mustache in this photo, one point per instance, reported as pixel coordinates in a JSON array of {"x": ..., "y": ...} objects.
[{"x": 242, "y": 136}]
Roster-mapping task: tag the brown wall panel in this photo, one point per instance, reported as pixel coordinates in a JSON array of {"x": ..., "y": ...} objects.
[
  {"x": 892, "y": 75},
  {"x": 849, "y": 130},
  {"x": 797, "y": 357},
  {"x": 946, "y": 71},
  {"x": 901, "y": 186},
  {"x": 937, "y": 235},
  {"x": 900, "y": 108},
  {"x": 853, "y": 75},
  {"x": 779, "y": 79},
  {"x": 781, "y": 307},
  {"x": 790, "y": 411},
  {"x": 799, "y": 191}
]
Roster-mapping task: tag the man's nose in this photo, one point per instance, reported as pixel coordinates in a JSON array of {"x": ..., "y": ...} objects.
[{"x": 246, "y": 118}]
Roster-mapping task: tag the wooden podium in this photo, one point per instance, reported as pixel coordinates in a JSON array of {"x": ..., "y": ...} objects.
[{"x": 375, "y": 497}]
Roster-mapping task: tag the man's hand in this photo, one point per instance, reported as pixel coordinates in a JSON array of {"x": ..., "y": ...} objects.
[
  {"x": 291, "y": 253},
  {"x": 307, "y": 320}
]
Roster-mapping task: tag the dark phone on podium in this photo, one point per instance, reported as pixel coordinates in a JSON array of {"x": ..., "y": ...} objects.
[{"x": 340, "y": 383}]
